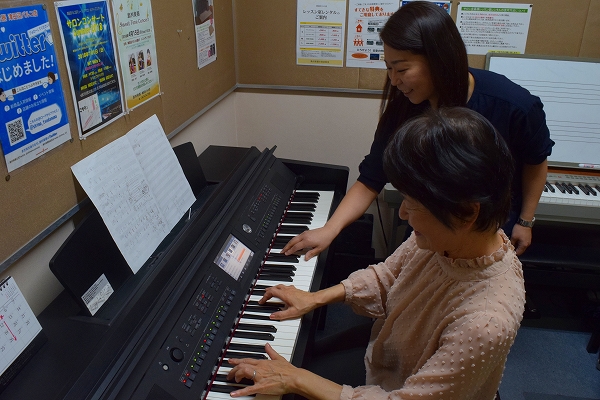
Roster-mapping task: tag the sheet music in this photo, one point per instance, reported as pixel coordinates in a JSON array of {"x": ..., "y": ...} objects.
[
  {"x": 18, "y": 324},
  {"x": 139, "y": 189},
  {"x": 570, "y": 91}
]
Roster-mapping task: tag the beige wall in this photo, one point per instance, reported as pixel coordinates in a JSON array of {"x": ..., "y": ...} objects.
[{"x": 329, "y": 129}]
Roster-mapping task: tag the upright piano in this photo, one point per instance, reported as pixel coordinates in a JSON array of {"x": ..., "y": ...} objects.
[{"x": 167, "y": 331}]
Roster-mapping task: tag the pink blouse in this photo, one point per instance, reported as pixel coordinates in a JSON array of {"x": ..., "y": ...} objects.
[{"x": 444, "y": 327}]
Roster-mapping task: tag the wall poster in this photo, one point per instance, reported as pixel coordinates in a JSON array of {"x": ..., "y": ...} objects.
[
  {"x": 494, "y": 27},
  {"x": 85, "y": 27},
  {"x": 137, "y": 50},
  {"x": 33, "y": 115},
  {"x": 206, "y": 42},
  {"x": 320, "y": 27},
  {"x": 365, "y": 20}
]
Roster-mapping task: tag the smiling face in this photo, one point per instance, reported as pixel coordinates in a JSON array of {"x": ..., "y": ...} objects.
[
  {"x": 430, "y": 233},
  {"x": 410, "y": 73}
]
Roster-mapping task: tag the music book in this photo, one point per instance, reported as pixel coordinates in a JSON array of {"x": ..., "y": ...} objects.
[{"x": 21, "y": 334}]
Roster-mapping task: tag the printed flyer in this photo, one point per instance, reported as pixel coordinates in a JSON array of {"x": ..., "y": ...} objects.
[
  {"x": 33, "y": 115},
  {"x": 137, "y": 50},
  {"x": 365, "y": 20},
  {"x": 89, "y": 49},
  {"x": 320, "y": 27},
  {"x": 494, "y": 27},
  {"x": 206, "y": 41}
]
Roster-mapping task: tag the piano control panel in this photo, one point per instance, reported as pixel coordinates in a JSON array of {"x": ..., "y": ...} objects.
[{"x": 194, "y": 347}]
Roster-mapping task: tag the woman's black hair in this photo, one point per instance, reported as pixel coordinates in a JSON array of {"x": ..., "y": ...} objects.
[
  {"x": 449, "y": 160},
  {"x": 426, "y": 29}
]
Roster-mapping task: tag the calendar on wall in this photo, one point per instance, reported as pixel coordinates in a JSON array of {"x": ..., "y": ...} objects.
[{"x": 20, "y": 332}]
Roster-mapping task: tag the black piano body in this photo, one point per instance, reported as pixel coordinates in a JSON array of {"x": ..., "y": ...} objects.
[{"x": 146, "y": 341}]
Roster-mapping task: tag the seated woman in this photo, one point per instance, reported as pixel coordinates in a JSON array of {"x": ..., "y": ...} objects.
[{"x": 450, "y": 299}]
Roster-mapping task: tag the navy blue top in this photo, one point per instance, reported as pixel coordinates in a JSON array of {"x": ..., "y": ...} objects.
[{"x": 516, "y": 114}]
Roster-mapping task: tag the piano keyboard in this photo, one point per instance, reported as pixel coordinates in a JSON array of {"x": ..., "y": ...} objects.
[
  {"x": 570, "y": 198},
  {"x": 254, "y": 327}
]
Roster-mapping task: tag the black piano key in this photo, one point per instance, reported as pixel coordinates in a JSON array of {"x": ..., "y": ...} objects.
[
  {"x": 302, "y": 207},
  {"x": 274, "y": 304},
  {"x": 306, "y": 197},
  {"x": 573, "y": 188},
  {"x": 591, "y": 189},
  {"x": 281, "y": 240},
  {"x": 292, "y": 229},
  {"x": 259, "y": 286},
  {"x": 223, "y": 388},
  {"x": 549, "y": 187},
  {"x": 277, "y": 278},
  {"x": 559, "y": 187},
  {"x": 254, "y": 335},
  {"x": 266, "y": 275},
  {"x": 257, "y": 317},
  {"x": 584, "y": 189},
  {"x": 280, "y": 257},
  {"x": 262, "y": 309},
  {"x": 279, "y": 269},
  {"x": 296, "y": 219},
  {"x": 256, "y": 328},
  {"x": 289, "y": 267},
  {"x": 242, "y": 354},
  {"x": 259, "y": 292},
  {"x": 255, "y": 348},
  {"x": 244, "y": 382}
]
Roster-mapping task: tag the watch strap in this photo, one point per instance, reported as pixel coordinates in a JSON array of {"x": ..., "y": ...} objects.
[{"x": 527, "y": 224}]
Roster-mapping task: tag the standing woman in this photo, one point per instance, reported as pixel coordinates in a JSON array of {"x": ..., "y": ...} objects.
[
  {"x": 447, "y": 304},
  {"x": 428, "y": 67}
]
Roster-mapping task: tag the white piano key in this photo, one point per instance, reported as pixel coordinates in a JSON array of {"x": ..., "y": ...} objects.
[
  {"x": 287, "y": 331},
  {"x": 565, "y": 207}
]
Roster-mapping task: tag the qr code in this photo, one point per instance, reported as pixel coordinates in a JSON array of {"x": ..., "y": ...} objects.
[{"x": 16, "y": 131}]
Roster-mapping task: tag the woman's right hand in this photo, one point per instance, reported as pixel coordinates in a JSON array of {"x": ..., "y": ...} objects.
[
  {"x": 316, "y": 240},
  {"x": 297, "y": 302}
]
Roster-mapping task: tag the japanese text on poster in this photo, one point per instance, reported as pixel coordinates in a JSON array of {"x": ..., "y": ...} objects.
[
  {"x": 33, "y": 117},
  {"x": 365, "y": 20},
  {"x": 137, "y": 50},
  {"x": 320, "y": 32},
  {"x": 206, "y": 42},
  {"x": 494, "y": 27},
  {"x": 90, "y": 54}
]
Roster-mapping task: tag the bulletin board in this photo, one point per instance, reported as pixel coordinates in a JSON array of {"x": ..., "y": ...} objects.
[
  {"x": 266, "y": 38},
  {"x": 256, "y": 47},
  {"x": 40, "y": 193}
]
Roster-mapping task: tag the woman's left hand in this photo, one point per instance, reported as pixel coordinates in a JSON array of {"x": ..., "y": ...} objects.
[
  {"x": 274, "y": 376},
  {"x": 520, "y": 238}
]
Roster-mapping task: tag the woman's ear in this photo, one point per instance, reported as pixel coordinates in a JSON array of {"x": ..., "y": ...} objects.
[{"x": 469, "y": 221}]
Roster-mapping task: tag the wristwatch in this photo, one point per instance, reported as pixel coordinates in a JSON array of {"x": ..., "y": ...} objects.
[{"x": 527, "y": 224}]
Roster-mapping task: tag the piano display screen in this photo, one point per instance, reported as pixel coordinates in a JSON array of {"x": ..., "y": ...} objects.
[{"x": 234, "y": 257}]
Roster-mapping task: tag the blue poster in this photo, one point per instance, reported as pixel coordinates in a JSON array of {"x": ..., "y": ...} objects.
[
  {"x": 33, "y": 116},
  {"x": 90, "y": 53}
]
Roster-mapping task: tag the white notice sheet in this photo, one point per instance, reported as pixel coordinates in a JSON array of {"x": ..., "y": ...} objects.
[
  {"x": 494, "y": 27},
  {"x": 139, "y": 188}
]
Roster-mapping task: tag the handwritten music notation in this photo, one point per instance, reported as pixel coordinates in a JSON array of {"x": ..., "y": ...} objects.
[{"x": 139, "y": 188}]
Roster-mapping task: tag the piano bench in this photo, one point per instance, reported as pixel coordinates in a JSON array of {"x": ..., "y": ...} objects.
[{"x": 567, "y": 256}]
